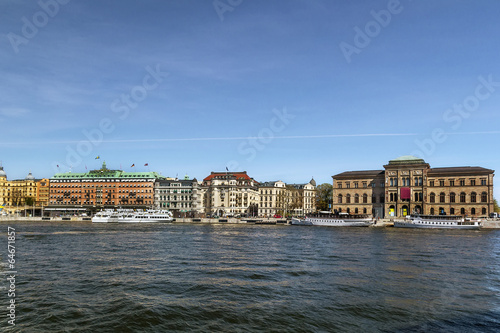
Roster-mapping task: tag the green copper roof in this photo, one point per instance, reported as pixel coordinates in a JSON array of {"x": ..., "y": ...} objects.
[
  {"x": 106, "y": 173},
  {"x": 407, "y": 159}
]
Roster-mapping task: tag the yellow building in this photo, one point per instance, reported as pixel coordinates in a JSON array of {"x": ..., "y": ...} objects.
[{"x": 17, "y": 195}]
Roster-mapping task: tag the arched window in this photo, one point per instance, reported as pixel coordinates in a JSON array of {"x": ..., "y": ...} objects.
[
  {"x": 365, "y": 198},
  {"x": 340, "y": 198},
  {"x": 473, "y": 197},
  {"x": 416, "y": 181},
  {"x": 391, "y": 197},
  {"x": 364, "y": 210},
  {"x": 462, "y": 211},
  {"x": 452, "y": 197},
  {"x": 462, "y": 197},
  {"x": 442, "y": 197},
  {"x": 356, "y": 210},
  {"x": 452, "y": 211},
  {"x": 483, "y": 211},
  {"x": 432, "y": 211},
  {"x": 416, "y": 196},
  {"x": 408, "y": 181},
  {"x": 432, "y": 197},
  {"x": 348, "y": 210},
  {"x": 348, "y": 199},
  {"x": 356, "y": 198},
  {"x": 473, "y": 211},
  {"x": 484, "y": 197}
]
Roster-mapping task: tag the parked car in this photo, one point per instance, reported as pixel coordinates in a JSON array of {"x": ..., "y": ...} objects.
[{"x": 277, "y": 216}]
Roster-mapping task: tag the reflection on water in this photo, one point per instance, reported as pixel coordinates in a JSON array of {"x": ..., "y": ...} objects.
[{"x": 166, "y": 277}]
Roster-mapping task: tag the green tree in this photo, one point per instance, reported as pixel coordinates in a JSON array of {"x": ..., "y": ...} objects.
[
  {"x": 323, "y": 196},
  {"x": 496, "y": 207},
  {"x": 29, "y": 201}
]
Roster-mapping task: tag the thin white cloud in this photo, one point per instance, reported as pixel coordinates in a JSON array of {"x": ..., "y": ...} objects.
[
  {"x": 14, "y": 112},
  {"x": 325, "y": 136}
]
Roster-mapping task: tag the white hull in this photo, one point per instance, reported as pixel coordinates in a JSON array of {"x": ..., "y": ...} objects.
[
  {"x": 439, "y": 222},
  {"x": 130, "y": 216},
  {"x": 333, "y": 222},
  {"x": 437, "y": 225}
]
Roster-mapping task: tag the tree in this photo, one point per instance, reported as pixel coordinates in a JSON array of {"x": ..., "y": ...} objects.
[
  {"x": 324, "y": 196},
  {"x": 495, "y": 205}
]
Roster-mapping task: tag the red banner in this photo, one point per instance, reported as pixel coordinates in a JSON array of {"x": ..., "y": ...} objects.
[{"x": 405, "y": 193}]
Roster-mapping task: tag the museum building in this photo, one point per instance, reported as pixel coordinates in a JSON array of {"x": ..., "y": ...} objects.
[{"x": 408, "y": 185}]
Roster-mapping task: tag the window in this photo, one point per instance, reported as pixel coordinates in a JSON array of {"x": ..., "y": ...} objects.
[
  {"x": 473, "y": 211},
  {"x": 431, "y": 183},
  {"x": 462, "y": 197},
  {"x": 365, "y": 184},
  {"x": 462, "y": 182},
  {"x": 473, "y": 182},
  {"x": 441, "y": 183},
  {"x": 483, "y": 182},
  {"x": 452, "y": 197},
  {"x": 432, "y": 211},
  {"x": 355, "y": 184},
  {"x": 462, "y": 211},
  {"x": 340, "y": 198},
  {"x": 432, "y": 197},
  {"x": 452, "y": 211},
  {"x": 356, "y": 198},
  {"x": 347, "y": 185},
  {"x": 374, "y": 199},
  {"x": 442, "y": 197},
  {"x": 473, "y": 197},
  {"x": 483, "y": 211},
  {"x": 382, "y": 198},
  {"x": 356, "y": 210},
  {"x": 348, "y": 198},
  {"x": 365, "y": 198},
  {"x": 364, "y": 210},
  {"x": 340, "y": 185},
  {"x": 416, "y": 181},
  {"x": 452, "y": 182},
  {"x": 484, "y": 197}
]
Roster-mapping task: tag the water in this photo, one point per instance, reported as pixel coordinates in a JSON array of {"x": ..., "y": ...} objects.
[{"x": 81, "y": 277}]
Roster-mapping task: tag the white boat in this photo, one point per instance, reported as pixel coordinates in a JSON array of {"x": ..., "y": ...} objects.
[
  {"x": 340, "y": 220},
  {"x": 105, "y": 216},
  {"x": 437, "y": 222},
  {"x": 133, "y": 216}
]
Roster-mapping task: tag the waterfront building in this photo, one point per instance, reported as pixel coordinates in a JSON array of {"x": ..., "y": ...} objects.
[
  {"x": 409, "y": 185},
  {"x": 183, "y": 197},
  {"x": 273, "y": 198},
  {"x": 230, "y": 194},
  {"x": 19, "y": 195},
  {"x": 103, "y": 188},
  {"x": 279, "y": 198}
]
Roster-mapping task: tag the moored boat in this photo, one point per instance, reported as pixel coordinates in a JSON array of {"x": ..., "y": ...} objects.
[
  {"x": 132, "y": 216},
  {"x": 437, "y": 222},
  {"x": 330, "y": 220}
]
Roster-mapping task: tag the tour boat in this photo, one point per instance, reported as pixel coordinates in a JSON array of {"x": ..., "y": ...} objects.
[
  {"x": 437, "y": 222},
  {"x": 105, "y": 216},
  {"x": 340, "y": 220},
  {"x": 133, "y": 216}
]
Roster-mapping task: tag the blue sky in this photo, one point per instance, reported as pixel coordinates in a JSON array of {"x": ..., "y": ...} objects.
[{"x": 282, "y": 89}]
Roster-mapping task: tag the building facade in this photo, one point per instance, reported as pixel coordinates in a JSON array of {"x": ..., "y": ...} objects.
[
  {"x": 103, "y": 188},
  {"x": 184, "y": 198},
  {"x": 279, "y": 198},
  {"x": 359, "y": 192},
  {"x": 19, "y": 195},
  {"x": 409, "y": 185},
  {"x": 230, "y": 194}
]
